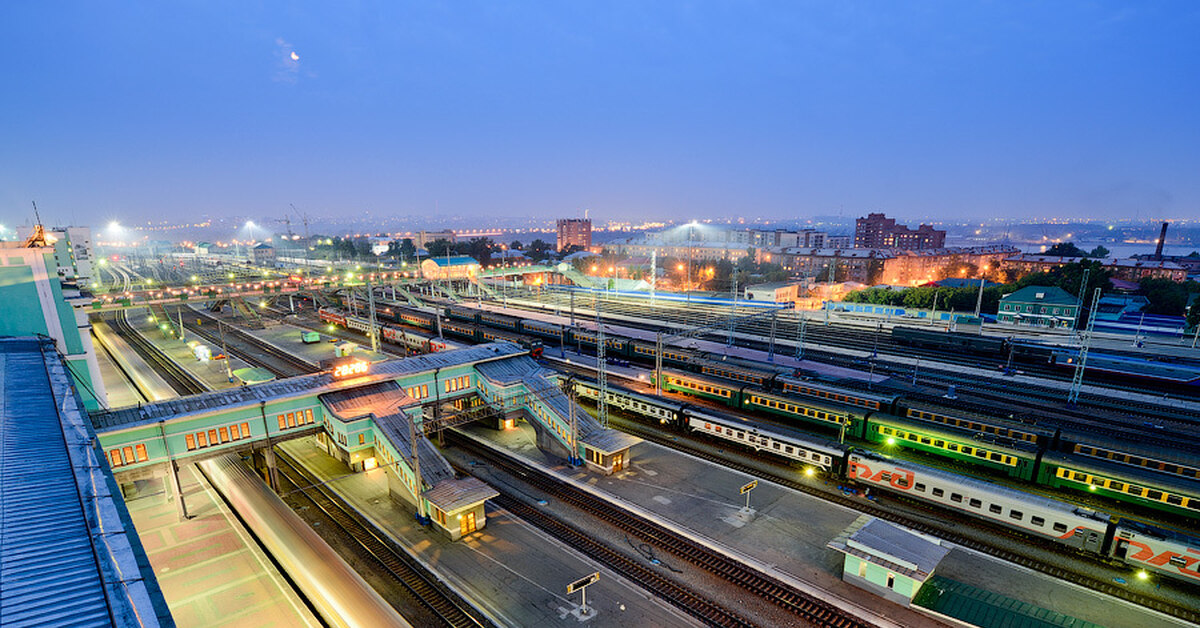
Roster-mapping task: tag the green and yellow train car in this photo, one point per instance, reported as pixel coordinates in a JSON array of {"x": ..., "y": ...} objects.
[
  {"x": 1121, "y": 482},
  {"x": 728, "y": 393},
  {"x": 1015, "y": 459},
  {"x": 810, "y": 411}
]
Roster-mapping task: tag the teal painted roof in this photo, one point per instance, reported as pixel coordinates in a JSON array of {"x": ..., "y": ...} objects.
[
  {"x": 456, "y": 260},
  {"x": 986, "y": 609},
  {"x": 1048, "y": 295}
]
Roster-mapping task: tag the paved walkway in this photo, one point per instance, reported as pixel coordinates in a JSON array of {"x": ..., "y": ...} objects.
[
  {"x": 791, "y": 529},
  {"x": 514, "y": 572},
  {"x": 211, "y": 571}
]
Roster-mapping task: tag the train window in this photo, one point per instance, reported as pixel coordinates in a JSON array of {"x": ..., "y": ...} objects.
[
  {"x": 789, "y": 449},
  {"x": 953, "y": 447},
  {"x": 956, "y": 498},
  {"x": 920, "y": 487},
  {"x": 1188, "y": 472},
  {"x": 925, "y": 440},
  {"x": 1037, "y": 521},
  {"x": 902, "y": 482},
  {"x": 939, "y": 443},
  {"x": 995, "y": 509},
  {"x": 1060, "y": 527},
  {"x": 996, "y": 457},
  {"x": 979, "y": 453},
  {"x": 1178, "y": 561},
  {"x": 1016, "y": 514},
  {"x": 1078, "y": 477},
  {"x": 1134, "y": 490},
  {"x": 937, "y": 492},
  {"x": 975, "y": 503},
  {"x": 1116, "y": 486},
  {"x": 912, "y": 437},
  {"x": 1174, "y": 500},
  {"x": 775, "y": 445},
  {"x": 1153, "y": 494}
]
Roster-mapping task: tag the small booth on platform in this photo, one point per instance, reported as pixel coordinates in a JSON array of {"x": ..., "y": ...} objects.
[
  {"x": 887, "y": 560},
  {"x": 607, "y": 451}
]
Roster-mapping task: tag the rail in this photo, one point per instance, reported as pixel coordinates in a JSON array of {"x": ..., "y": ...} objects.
[{"x": 175, "y": 375}]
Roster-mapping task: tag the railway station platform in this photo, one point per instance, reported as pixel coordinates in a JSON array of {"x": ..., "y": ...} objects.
[
  {"x": 211, "y": 373},
  {"x": 514, "y": 573},
  {"x": 121, "y": 392},
  {"x": 211, "y": 570},
  {"x": 286, "y": 337},
  {"x": 789, "y": 532}
]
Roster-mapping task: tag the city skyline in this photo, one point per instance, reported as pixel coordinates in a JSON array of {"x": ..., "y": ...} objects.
[{"x": 665, "y": 110}]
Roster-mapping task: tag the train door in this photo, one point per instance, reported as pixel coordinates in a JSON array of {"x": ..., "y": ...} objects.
[
  {"x": 1092, "y": 540},
  {"x": 1121, "y": 550},
  {"x": 466, "y": 524}
]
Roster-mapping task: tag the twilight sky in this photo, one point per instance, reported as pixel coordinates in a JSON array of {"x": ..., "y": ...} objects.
[{"x": 652, "y": 109}]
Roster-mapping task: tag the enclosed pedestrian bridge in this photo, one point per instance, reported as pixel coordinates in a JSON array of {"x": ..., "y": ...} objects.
[{"x": 368, "y": 416}]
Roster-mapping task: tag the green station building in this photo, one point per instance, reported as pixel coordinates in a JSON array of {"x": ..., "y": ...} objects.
[
  {"x": 37, "y": 299},
  {"x": 1039, "y": 306}
]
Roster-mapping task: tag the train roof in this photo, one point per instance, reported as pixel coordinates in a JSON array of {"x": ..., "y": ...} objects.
[
  {"x": 984, "y": 486},
  {"x": 992, "y": 441},
  {"x": 1189, "y": 458},
  {"x": 1137, "y": 367},
  {"x": 650, "y": 399},
  {"x": 1141, "y": 527},
  {"x": 811, "y": 402},
  {"x": 734, "y": 362},
  {"x": 1012, "y": 423},
  {"x": 830, "y": 447},
  {"x": 1126, "y": 473},
  {"x": 842, "y": 390}
]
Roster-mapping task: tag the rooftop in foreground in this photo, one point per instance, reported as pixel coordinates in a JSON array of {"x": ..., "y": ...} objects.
[{"x": 70, "y": 553}]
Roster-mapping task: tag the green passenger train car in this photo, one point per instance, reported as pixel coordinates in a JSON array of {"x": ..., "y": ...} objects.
[
  {"x": 1132, "y": 485},
  {"x": 727, "y": 393},
  {"x": 1016, "y": 459}
]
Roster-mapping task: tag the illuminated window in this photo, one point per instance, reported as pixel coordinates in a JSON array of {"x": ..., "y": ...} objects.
[
  {"x": 224, "y": 435},
  {"x": 245, "y": 430},
  {"x": 114, "y": 458},
  {"x": 190, "y": 439},
  {"x": 308, "y": 416},
  {"x": 282, "y": 422},
  {"x": 141, "y": 453}
]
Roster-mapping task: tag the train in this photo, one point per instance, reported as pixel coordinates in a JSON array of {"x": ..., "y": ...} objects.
[
  {"x": 1165, "y": 481},
  {"x": 1111, "y": 366},
  {"x": 1136, "y": 544},
  {"x": 884, "y": 421},
  {"x": 410, "y": 340}
]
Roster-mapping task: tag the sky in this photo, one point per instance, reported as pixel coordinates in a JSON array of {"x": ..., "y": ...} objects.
[{"x": 138, "y": 111}]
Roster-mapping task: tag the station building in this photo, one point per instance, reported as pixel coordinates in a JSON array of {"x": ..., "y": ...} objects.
[
  {"x": 36, "y": 300},
  {"x": 1039, "y": 306},
  {"x": 449, "y": 268}
]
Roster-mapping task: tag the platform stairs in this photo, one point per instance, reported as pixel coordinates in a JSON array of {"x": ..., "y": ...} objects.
[
  {"x": 578, "y": 278},
  {"x": 487, "y": 290},
  {"x": 248, "y": 314}
]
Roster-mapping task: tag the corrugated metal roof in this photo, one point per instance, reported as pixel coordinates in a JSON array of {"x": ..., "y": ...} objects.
[
  {"x": 68, "y": 556},
  {"x": 978, "y": 607},
  {"x": 434, "y": 468},
  {"x": 539, "y": 381},
  {"x": 293, "y": 386},
  {"x": 452, "y": 495},
  {"x": 380, "y": 398}
]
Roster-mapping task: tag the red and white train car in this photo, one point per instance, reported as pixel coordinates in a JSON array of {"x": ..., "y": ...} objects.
[{"x": 1058, "y": 521}]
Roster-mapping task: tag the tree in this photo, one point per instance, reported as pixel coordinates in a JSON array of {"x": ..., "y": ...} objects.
[
  {"x": 539, "y": 250},
  {"x": 1099, "y": 251},
  {"x": 1166, "y": 296},
  {"x": 440, "y": 247},
  {"x": 515, "y": 245},
  {"x": 480, "y": 249},
  {"x": 1065, "y": 249}
]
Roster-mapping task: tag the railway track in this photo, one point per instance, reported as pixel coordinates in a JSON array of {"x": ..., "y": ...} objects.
[
  {"x": 420, "y": 586},
  {"x": 249, "y": 348},
  {"x": 1030, "y": 561},
  {"x": 177, "y": 377},
  {"x": 808, "y": 608}
]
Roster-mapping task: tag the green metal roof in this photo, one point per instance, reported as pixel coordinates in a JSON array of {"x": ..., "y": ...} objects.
[
  {"x": 255, "y": 375},
  {"x": 986, "y": 609},
  {"x": 1050, "y": 295}
]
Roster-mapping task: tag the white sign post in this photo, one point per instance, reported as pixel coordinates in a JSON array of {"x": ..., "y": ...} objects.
[
  {"x": 581, "y": 585},
  {"x": 746, "y": 488}
]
